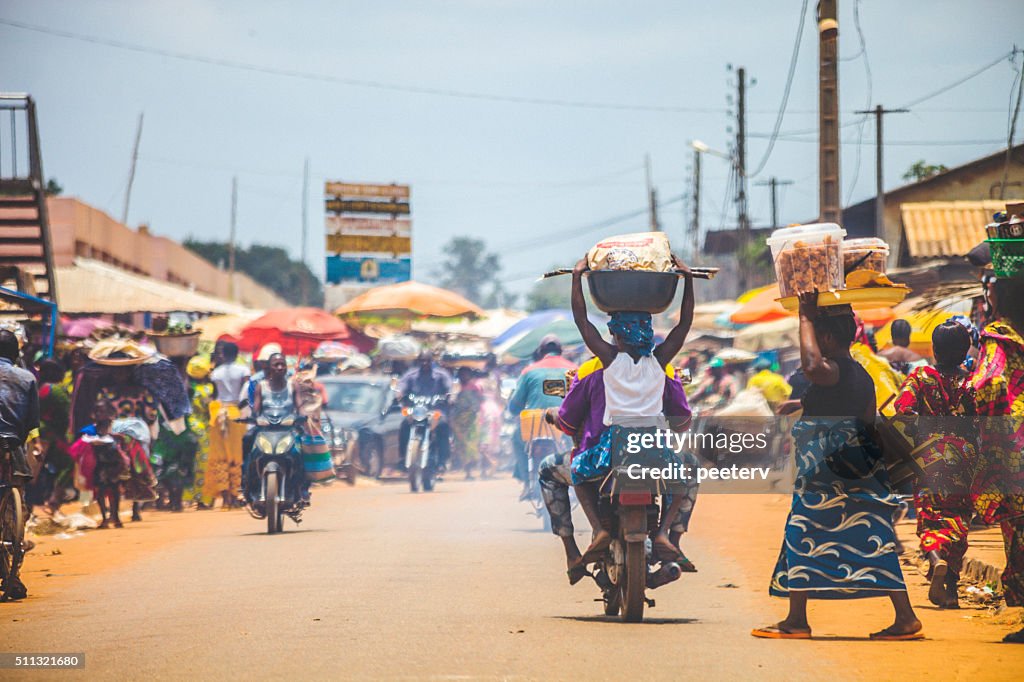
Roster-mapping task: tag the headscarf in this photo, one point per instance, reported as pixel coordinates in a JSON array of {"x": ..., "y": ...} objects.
[
  {"x": 635, "y": 329},
  {"x": 198, "y": 367}
]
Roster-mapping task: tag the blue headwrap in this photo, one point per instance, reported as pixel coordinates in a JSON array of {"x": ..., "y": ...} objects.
[{"x": 635, "y": 329}]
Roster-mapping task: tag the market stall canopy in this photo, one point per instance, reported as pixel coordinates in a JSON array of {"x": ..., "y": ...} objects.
[
  {"x": 774, "y": 335},
  {"x": 92, "y": 287},
  {"x": 521, "y": 347},
  {"x": 409, "y": 299},
  {"x": 760, "y": 305},
  {"x": 298, "y": 330},
  {"x": 922, "y": 324},
  {"x": 213, "y": 327},
  {"x": 491, "y": 325},
  {"x": 538, "y": 319},
  {"x": 83, "y": 327}
]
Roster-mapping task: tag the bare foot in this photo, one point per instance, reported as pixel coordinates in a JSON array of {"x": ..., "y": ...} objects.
[
  {"x": 937, "y": 589},
  {"x": 597, "y": 547}
]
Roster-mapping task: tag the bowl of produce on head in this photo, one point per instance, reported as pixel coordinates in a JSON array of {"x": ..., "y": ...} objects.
[{"x": 632, "y": 290}]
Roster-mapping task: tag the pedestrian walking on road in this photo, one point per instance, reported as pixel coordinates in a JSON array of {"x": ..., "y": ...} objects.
[
  {"x": 937, "y": 404},
  {"x": 998, "y": 486},
  {"x": 839, "y": 540}
]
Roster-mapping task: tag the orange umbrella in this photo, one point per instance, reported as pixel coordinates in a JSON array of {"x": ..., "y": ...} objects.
[
  {"x": 410, "y": 299},
  {"x": 759, "y": 305}
]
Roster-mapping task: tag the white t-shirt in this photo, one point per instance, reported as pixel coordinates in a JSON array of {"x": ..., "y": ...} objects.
[
  {"x": 633, "y": 389},
  {"x": 229, "y": 380}
]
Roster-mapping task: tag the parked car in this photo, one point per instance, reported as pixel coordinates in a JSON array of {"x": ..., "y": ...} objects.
[{"x": 365, "y": 419}]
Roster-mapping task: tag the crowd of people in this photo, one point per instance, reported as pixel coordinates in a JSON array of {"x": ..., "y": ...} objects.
[{"x": 117, "y": 422}]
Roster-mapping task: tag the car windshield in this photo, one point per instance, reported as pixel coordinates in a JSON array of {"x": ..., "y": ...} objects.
[{"x": 350, "y": 396}]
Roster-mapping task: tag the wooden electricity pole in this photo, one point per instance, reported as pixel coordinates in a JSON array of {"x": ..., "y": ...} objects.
[
  {"x": 131, "y": 171},
  {"x": 231, "y": 237},
  {"x": 829, "y": 206},
  {"x": 774, "y": 183},
  {"x": 879, "y": 111}
]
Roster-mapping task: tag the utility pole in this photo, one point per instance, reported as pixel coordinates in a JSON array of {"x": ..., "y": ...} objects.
[
  {"x": 879, "y": 111},
  {"x": 695, "y": 220},
  {"x": 305, "y": 226},
  {"x": 774, "y": 183},
  {"x": 828, "y": 112},
  {"x": 652, "y": 196},
  {"x": 131, "y": 171},
  {"x": 743, "y": 220},
  {"x": 231, "y": 237},
  {"x": 741, "y": 158}
]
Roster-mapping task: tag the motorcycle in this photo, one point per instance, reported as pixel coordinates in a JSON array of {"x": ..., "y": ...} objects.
[
  {"x": 630, "y": 513},
  {"x": 421, "y": 459},
  {"x": 279, "y": 469}
]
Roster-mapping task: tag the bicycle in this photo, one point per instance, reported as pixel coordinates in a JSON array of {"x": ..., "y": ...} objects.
[{"x": 12, "y": 524}]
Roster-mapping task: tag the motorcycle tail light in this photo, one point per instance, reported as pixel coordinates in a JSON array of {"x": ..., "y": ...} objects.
[{"x": 635, "y": 498}]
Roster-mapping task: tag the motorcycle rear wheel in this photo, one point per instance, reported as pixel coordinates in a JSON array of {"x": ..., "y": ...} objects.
[
  {"x": 274, "y": 521},
  {"x": 634, "y": 582},
  {"x": 12, "y": 534}
]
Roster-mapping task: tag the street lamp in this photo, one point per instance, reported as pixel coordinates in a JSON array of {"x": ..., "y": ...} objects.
[{"x": 698, "y": 149}]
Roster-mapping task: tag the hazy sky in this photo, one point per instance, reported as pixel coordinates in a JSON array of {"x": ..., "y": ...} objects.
[{"x": 528, "y": 178}]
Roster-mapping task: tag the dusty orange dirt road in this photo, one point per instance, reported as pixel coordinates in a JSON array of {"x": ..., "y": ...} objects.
[{"x": 378, "y": 583}]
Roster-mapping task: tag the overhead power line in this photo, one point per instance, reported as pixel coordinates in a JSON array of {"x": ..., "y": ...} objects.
[
  {"x": 355, "y": 82},
  {"x": 906, "y": 105},
  {"x": 785, "y": 93}
]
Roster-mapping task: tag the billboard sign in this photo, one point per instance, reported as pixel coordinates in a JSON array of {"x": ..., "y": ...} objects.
[{"x": 367, "y": 241}]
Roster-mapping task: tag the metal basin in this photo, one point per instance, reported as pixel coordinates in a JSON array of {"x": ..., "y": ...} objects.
[{"x": 616, "y": 291}]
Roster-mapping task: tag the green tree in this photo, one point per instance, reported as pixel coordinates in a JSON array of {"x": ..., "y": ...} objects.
[
  {"x": 470, "y": 271},
  {"x": 53, "y": 188},
  {"x": 270, "y": 266},
  {"x": 921, "y": 170},
  {"x": 548, "y": 293}
]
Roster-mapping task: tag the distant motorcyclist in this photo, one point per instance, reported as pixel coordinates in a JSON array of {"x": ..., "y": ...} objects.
[
  {"x": 529, "y": 394},
  {"x": 275, "y": 396},
  {"x": 426, "y": 380}
]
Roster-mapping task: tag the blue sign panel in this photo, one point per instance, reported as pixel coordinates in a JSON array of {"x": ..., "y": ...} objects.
[{"x": 370, "y": 269}]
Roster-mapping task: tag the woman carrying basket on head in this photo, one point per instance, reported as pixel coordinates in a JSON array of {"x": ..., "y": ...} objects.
[{"x": 634, "y": 387}]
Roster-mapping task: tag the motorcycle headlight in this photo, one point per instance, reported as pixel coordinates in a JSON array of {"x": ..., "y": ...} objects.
[
  {"x": 419, "y": 412},
  {"x": 284, "y": 445},
  {"x": 263, "y": 444}
]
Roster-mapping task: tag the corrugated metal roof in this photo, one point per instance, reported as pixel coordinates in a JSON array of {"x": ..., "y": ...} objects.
[
  {"x": 946, "y": 228},
  {"x": 90, "y": 286}
]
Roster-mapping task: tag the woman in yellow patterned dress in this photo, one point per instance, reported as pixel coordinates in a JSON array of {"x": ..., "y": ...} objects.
[{"x": 201, "y": 388}]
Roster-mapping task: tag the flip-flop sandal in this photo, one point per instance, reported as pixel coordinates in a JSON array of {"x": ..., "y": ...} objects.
[
  {"x": 775, "y": 632},
  {"x": 577, "y": 573},
  {"x": 883, "y": 637}
]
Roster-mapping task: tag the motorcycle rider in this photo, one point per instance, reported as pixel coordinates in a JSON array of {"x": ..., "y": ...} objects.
[
  {"x": 580, "y": 416},
  {"x": 277, "y": 395},
  {"x": 529, "y": 394},
  {"x": 634, "y": 386},
  {"x": 426, "y": 380}
]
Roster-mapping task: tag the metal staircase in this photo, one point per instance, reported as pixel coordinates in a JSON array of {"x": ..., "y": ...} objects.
[{"x": 26, "y": 251}]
